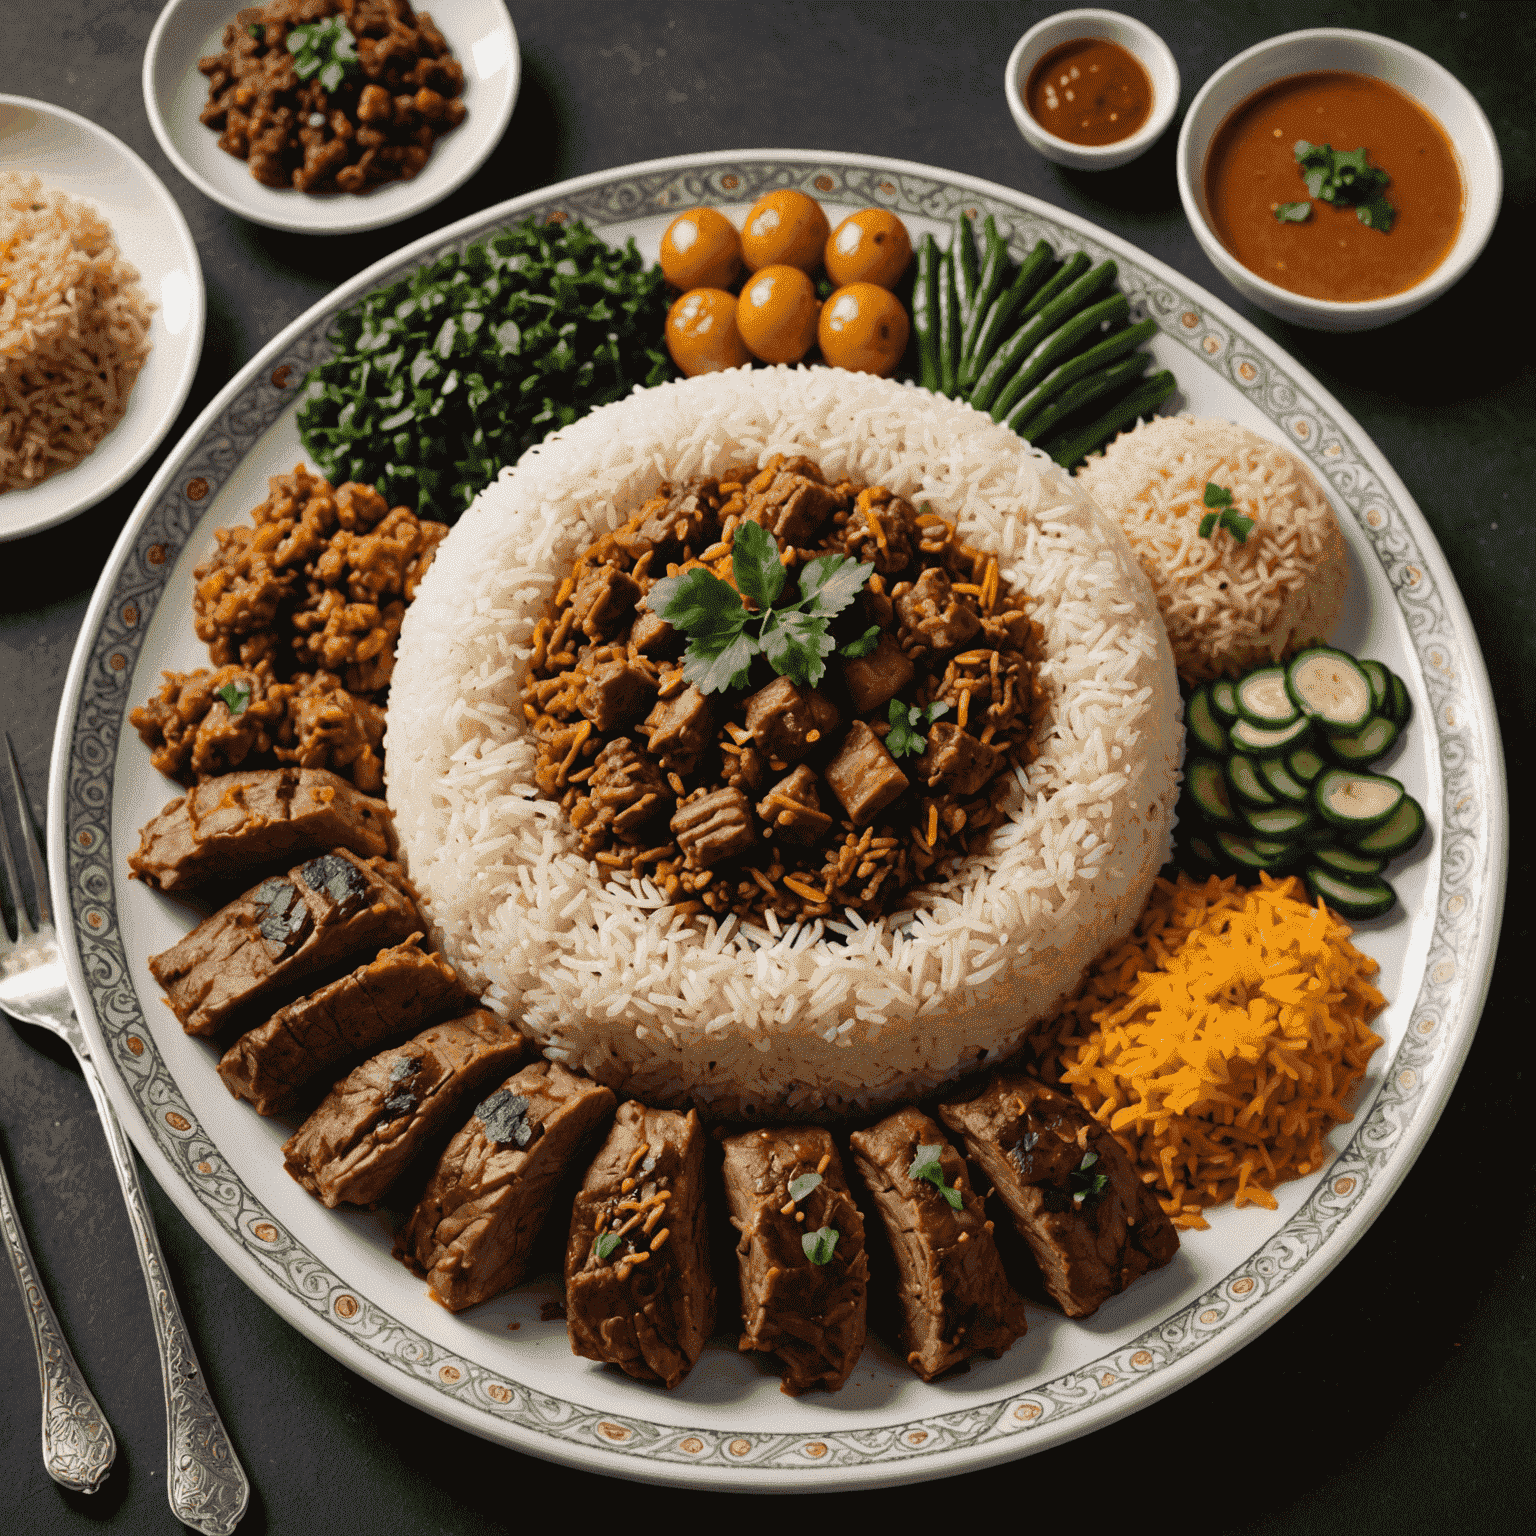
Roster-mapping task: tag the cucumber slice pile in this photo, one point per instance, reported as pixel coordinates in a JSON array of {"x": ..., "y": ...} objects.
[{"x": 1280, "y": 777}]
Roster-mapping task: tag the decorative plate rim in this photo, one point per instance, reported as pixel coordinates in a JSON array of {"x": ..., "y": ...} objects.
[{"x": 1386, "y": 1135}]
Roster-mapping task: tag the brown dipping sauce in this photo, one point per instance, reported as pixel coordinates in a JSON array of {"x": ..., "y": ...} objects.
[
  {"x": 1089, "y": 91},
  {"x": 1251, "y": 167}
]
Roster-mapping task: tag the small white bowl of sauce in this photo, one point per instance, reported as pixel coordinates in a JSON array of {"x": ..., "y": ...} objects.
[
  {"x": 1335, "y": 253},
  {"x": 1091, "y": 89}
]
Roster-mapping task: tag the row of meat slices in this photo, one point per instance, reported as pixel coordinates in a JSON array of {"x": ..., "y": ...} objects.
[{"x": 638, "y": 1280}]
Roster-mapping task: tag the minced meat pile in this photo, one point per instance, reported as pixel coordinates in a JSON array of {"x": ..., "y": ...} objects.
[
  {"x": 776, "y": 796},
  {"x": 300, "y": 610}
]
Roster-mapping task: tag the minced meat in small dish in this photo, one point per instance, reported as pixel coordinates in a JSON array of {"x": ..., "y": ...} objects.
[{"x": 780, "y": 796}]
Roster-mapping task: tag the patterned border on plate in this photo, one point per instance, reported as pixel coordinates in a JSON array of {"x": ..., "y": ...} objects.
[{"x": 1461, "y": 901}]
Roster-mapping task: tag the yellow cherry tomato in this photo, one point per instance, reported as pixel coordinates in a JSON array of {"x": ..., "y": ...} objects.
[
  {"x": 701, "y": 249},
  {"x": 701, "y": 332},
  {"x": 784, "y": 228},
  {"x": 776, "y": 314},
  {"x": 863, "y": 328},
  {"x": 870, "y": 246}
]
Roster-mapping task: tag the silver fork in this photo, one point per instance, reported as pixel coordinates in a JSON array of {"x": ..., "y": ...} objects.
[{"x": 205, "y": 1481}]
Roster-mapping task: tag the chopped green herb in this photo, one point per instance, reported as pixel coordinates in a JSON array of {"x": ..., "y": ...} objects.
[
  {"x": 326, "y": 49},
  {"x": 1228, "y": 517},
  {"x": 1086, "y": 1186},
  {"x": 1346, "y": 179},
  {"x": 1293, "y": 213},
  {"x": 926, "y": 1166},
  {"x": 818, "y": 1245},
  {"x": 257, "y": 31},
  {"x": 1216, "y": 495},
  {"x": 905, "y": 738},
  {"x": 863, "y": 645},
  {"x": 801, "y": 1187},
  {"x": 1377, "y": 214},
  {"x": 606, "y": 1243},
  {"x": 236, "y": 696}
]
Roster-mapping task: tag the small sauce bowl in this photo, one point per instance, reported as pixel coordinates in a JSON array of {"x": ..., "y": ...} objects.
[
  {"x": 1138, "y": 39},
  {"x": 1416, "y": 75}
]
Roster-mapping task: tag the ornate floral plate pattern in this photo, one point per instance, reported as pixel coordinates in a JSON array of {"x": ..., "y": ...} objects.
[{"x": 1441, "y": 948}]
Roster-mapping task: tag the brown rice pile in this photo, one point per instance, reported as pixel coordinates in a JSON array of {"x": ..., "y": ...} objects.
[
  {"x": 74, "y": 330},
  {"x": 1228, "y": 605}
]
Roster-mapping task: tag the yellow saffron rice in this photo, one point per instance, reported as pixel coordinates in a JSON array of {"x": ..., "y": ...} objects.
[{"x": 1220, "y": 1042}]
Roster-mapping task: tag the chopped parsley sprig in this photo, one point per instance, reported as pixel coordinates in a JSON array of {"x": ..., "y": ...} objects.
[
  {"x": 1227, "y": 516},
  {"x": 236, "y": 696},
  {"x": 905, "y": 738},
  {"x": 819, "y": 1245},
  {"x": 324, "y": 48},
  {"x": 1344, "y": 178},
  {"x": 801, "y": 1187},
  {"x": 1085, "y": 1186},
  {"x": 926, "y": 1166},
  {"x": 725, "y": 635}
]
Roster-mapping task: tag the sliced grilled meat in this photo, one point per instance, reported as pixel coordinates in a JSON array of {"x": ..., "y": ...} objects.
[
  {"x": 472, "y": 1230},
  {"x": 955, "y": 1300},
  {"x": 638, "y": 1290},
  {"x": 266, "y": 946},
  {"x": 804, "y": 1272},
  {"x": 234, "y": 826},
  {"x": 1090, "y": 1222},
  {"x": 375, "y": 1121}
]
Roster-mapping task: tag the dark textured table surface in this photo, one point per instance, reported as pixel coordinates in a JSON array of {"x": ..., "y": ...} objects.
[{"x": 1399, "y": 1394}]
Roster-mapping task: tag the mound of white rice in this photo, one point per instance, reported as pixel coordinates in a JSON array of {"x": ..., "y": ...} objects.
[
  {"x": 1228, "y": 605},
  {"x": 741, "y": 1019}
]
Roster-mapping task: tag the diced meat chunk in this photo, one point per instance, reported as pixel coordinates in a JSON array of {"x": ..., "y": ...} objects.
[
  {"x": 267, "y": 945},
  {"x": 616, "y": 693},
  {"x": 863, "y": 775},
  {"x": 638, "y": 1289},
  {"x": 395, "y": 993},
  {"x": 604, "y": 601},
  {"x": 679, "y": 728},
  {"x": 956, "y": 762},
  {"x": 372, "y": 1124},
  {"x": 792, "y": 808},
  {"x": 677, "y": 515},
  {"x": 476, "y": 1222},
  {"x": 787, "y": 720},
  {"x": 802, "y": 1300},
  {"x": 953, "y": 1297},
  {"x": 932, "y": 617},
  {"x": 1091, "y": 1224},
  {"x": 714, "y": 826},
  {"x": 874, "y": 680},
  {"x": 881, "y": 529},
  {"x": 744, "y": 770},
  {"x": 628, "y": 793},
  {"x": 790, "y": 502},
  {"x": 235, "y": 825},
  {"x": 652, "y": 636}
]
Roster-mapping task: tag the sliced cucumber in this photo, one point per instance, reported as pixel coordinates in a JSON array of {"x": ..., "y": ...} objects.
[
  {"x": 1279, "y": 778},
  {"x": 1305, "y": 764},
  {"x": 1245, "y": 851},
  {"x": 1243, "y": 776},
  {"x": 1203, "y": 725},
  {"x": 1357, "y": 801},
  {"x": 1358, "y": 749},
  {"x": 1360, "y": 898},
  {"x": 1381, "y": 685},
  {"x": 1224, "y": 699},
  {"x": 1263, "y": 700},
  {"x": 1261, "y": 741},
  {"x": 1397, "y": 834},
  {"x": 1206, "y": 785},
  {"x": 1278, "y": 821},
  {"x": 1402, "y": 705},
  {"x": 1329, "y": 686},
  {"x": 1346, "y": 862}
]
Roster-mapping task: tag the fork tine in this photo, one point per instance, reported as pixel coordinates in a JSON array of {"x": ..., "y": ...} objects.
[
  {"x": 12, "y": 889},
  {"x": 29, "y": 837}
]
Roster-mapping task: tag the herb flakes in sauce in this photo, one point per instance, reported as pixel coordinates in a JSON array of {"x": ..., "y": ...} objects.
[
  {"x": 801, "y": 1187},
  {"x": 926, "y": 1166},
  {"x": 606, "y": 1243},
  {"x": 323, "y": 48},
  {"x": 1344, "y": 178},
  {"x": 819, "y": 1245}
]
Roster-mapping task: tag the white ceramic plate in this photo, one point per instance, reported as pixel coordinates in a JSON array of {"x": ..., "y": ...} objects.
[
  {"x": 330, "y": 1273},
  {"x": 77, "y": 157},
  {"x": 483, "y": 40}
]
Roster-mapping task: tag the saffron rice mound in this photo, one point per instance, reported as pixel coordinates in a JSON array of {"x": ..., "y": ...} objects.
[
  {"x": 826, "y": 1017},
  {"x": 1228, "y": 605},
  {"x": 74, "y": 330},
  {"x": 1221, "y": 1041}
]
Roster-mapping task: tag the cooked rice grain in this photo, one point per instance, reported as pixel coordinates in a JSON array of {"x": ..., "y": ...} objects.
[{"x": 741, "y": 1019}]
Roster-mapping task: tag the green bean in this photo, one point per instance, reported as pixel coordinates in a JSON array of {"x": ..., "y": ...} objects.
[
  {"x": 963, "y": 253},
  {"x": 949, "y": 326},
  {"x": 993, "y": 275},
  {"x": 1069, "y": 272},
  {"x": 1022, "y": 343},
  {"x": 1059, "y": 345},
  {"x": 925, "y": 312},
  {"x": 1085, "y": 392},
  {"x": 1116, "y": 344},
  {"x": 1035, "y": 270},
  {"x": 1068, "y": 450}
]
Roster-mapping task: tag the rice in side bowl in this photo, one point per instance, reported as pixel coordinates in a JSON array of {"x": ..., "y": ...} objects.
[{"x": 743, "y": 1020}]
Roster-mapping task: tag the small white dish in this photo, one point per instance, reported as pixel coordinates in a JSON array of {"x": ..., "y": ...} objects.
[
  {"x": 483, "y": 40},
  {"x": 1136, "y": 38},
  {"x": 1417, "y": 75},
  {"x": 76, "y": 157}
]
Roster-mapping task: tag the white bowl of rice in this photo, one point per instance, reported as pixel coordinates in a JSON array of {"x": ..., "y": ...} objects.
[{"x": 824, "y": 1018}]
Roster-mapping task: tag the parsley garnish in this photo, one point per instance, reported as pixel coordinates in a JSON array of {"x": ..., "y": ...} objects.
[
  {"x": 801, "y": 1187},
  {"x": 606, "y": 1243},
  {"x": 236, "y": 696},
  {"x": 1228, "y": 517},
  {"x": 819, "y": 1245},
  {"x": 863, "y": 645},
  {"x": 1086, "y": 1186},
  {"x": 926, "y": 1166},
  {"x": 1344, "y": 178},
  {"x": 324, "y": 48},
  {"x": 907, "y": 721},
  {"x": 1293, "y": 213},
  {"x": 724, "y": 635},
  {"x": 257, "y": 31}
]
